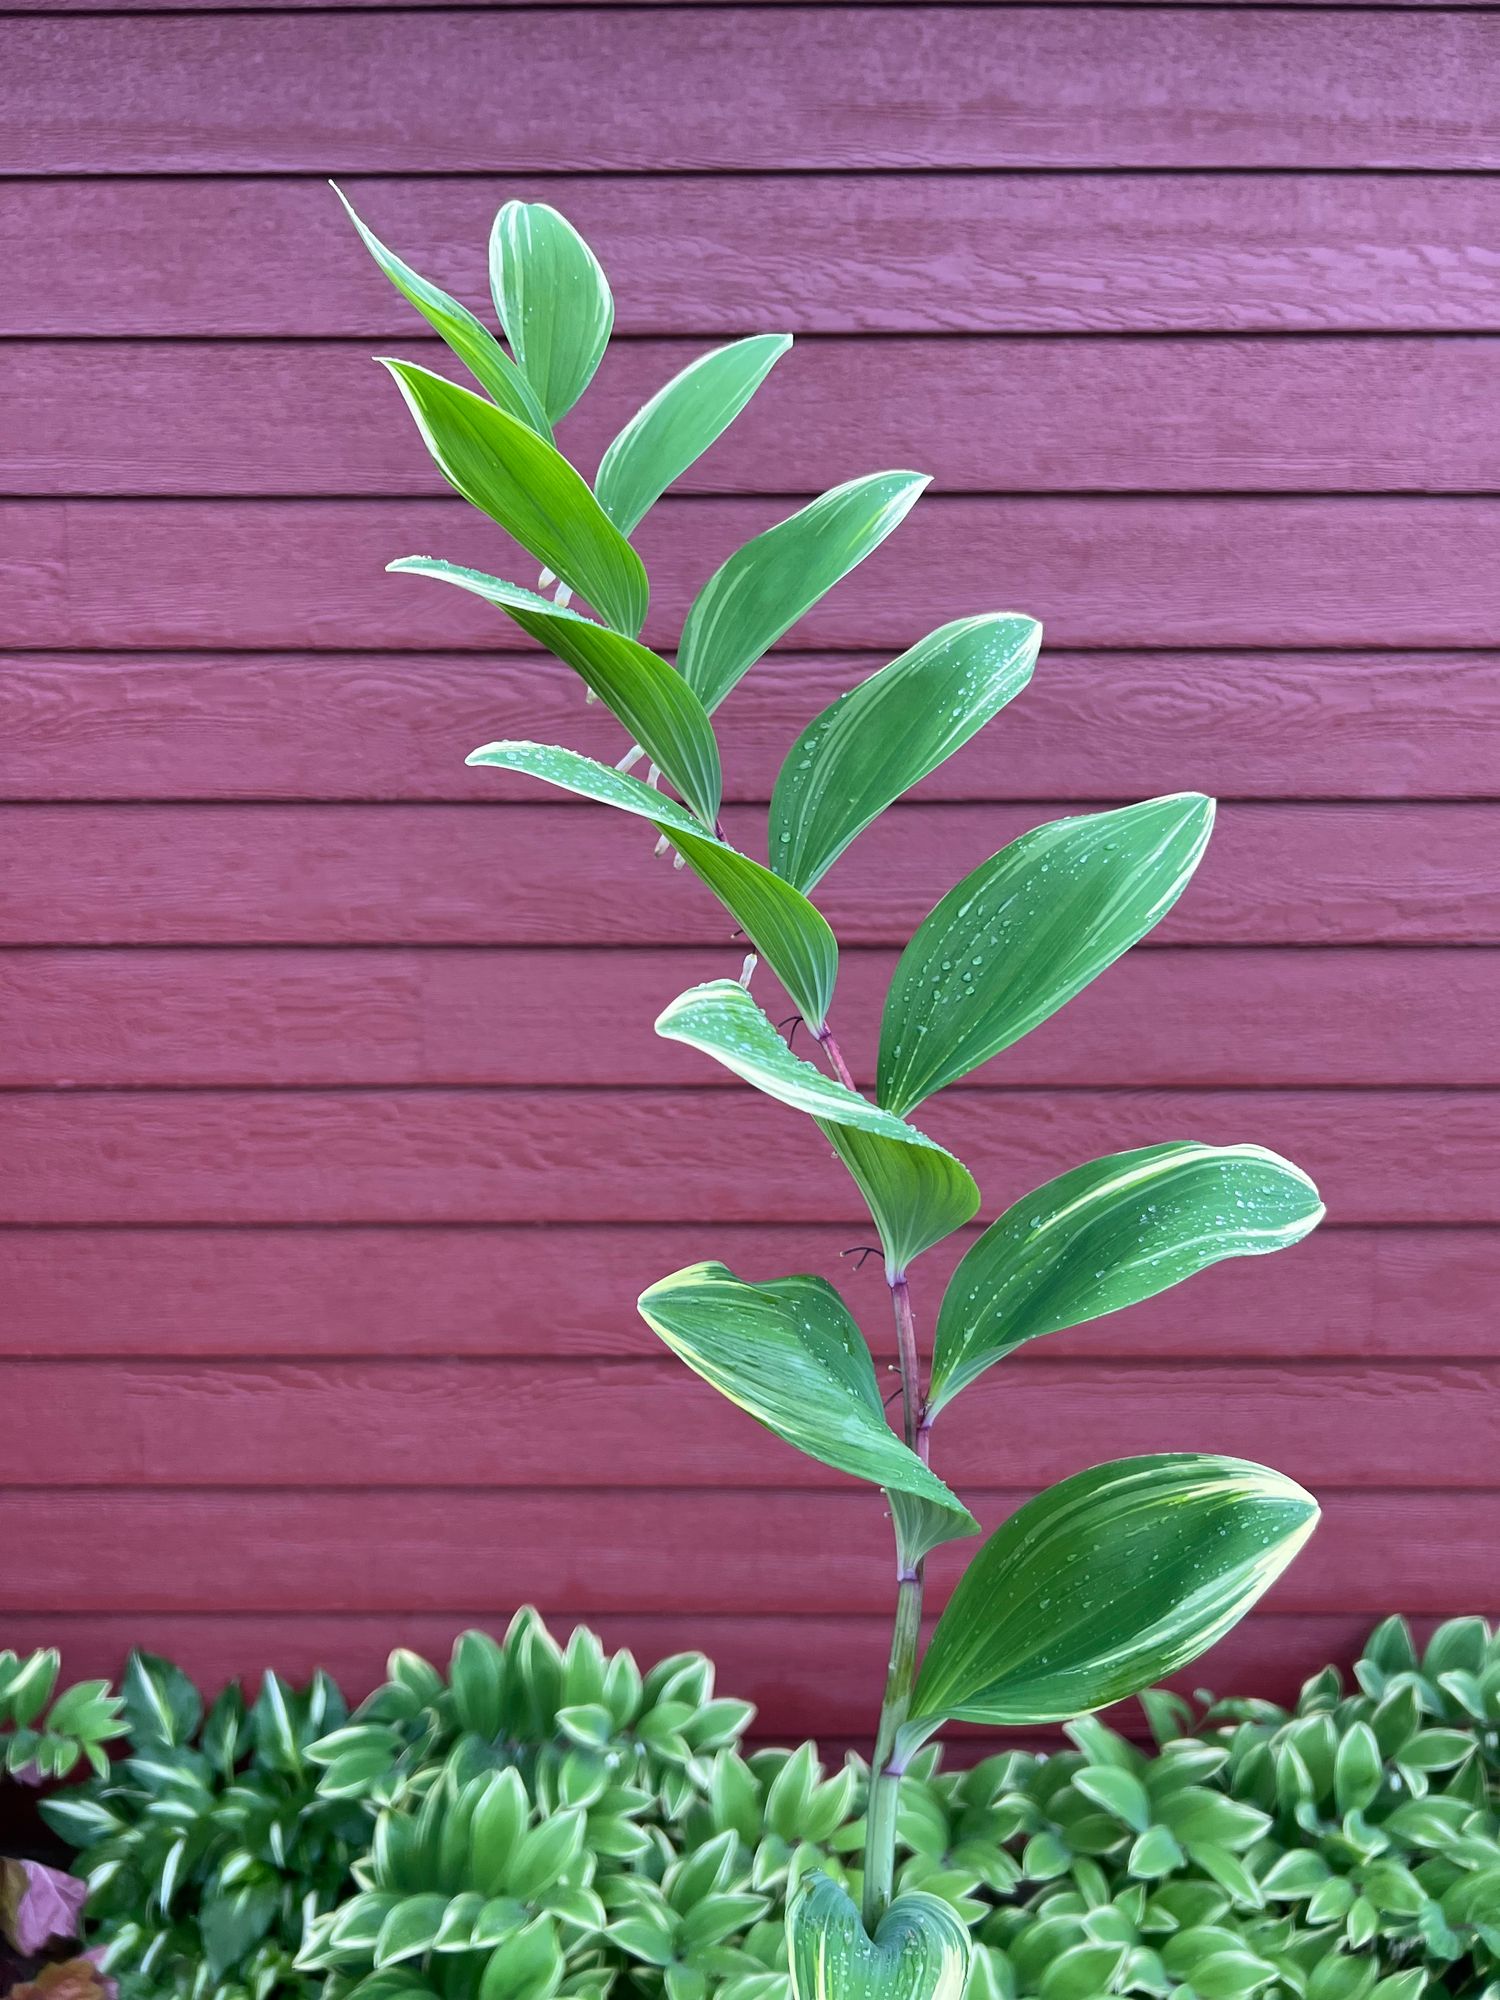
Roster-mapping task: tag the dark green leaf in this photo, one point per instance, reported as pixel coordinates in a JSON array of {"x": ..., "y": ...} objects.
[
  {"x": 553, "y": 301},
  {"x": 160, "y": 1702}
]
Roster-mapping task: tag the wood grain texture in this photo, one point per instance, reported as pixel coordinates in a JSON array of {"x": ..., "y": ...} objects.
[
  {"x": 987, "y": 415},
  {"x": 573, "y": 874},
  {"x": 1118, "y": 571},
  {"x": 966, "y": 253},
  {"x": 591, "y": 1156},
  {"x": 819, "y": 87},
  {"x": 315, "y": 1016},
  {"x": 554, "y": 1292},
  {"x": 396, "y": 726}
]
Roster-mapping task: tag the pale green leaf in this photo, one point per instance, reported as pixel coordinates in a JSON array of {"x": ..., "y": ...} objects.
[
  {"x": 1028, "y": 929},
  {"x": 650, "y": 698},
  {"x": 681, "y": 421},
  {"x": 920, "y": 1950},
  {"x": 790, "y": 1354},
  {"x": 1106, "y": 1235},
  {"x": 766, "y": 586},
  {"x": 524, "y": 483},
  {"x": 883, "y": 736},
  {"x": 1105, "y": 1583},
  {"x": 469, "y": 338},
  {"x": 553, "y": 300}
]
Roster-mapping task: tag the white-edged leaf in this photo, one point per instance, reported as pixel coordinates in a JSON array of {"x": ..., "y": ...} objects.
[
  {"x": 553, "y": 300},
  {"x": 920, "y": 1950}
]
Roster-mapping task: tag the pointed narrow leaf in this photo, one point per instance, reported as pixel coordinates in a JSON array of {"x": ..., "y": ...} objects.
[
  {"x": 1106, "y": 1583},
  {"x": 920, "y": 1950},
  {"x": 1107, "y": 1235},
  {"x": 469, "y": 338},
  {"x": 161, "y": 1705},
  {"x": 910, "y": 1183},
  {"x": 785, "y": 929},
  {"x": 553, "y": 300},
  {"x": 766, "y": 586},
  {"x": 790, "y": 1354},
  {"x": 681, "y": 421},
  {"x": 1028, "y": 929},
  {"x": 650, "y": 698},
  {"x": 524, "y": 483},
  {"x": 881, "y": 737}
]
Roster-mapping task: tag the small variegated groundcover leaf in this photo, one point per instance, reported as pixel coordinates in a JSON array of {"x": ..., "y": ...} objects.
[
  {"x": 920, "y": 1950},
  {"x": 518, "y": 479},
  {"x": 681, "y": 421},
  {"x": 790, "y": 1354},
  {"x": 553, "y": 300},
  {"x": 1105, "y": 1583},
  {"x": 883, "y": 736},
  {"x": 1029, "y": 928},
  {"x": 1107, "y": 1235},
  {"x": 650, "y": 698},
  {"x": 766, "y": 586}
]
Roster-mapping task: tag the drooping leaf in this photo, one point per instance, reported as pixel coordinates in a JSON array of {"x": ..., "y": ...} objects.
[
  {"x": 766, "y": 586},
  {"x": 1105, "y": 1583},
  {"x": 681, "y": 421},
  {"x": 1107, "y": 1235},
  {"x": 650, "y": 698},
  {"x": 785, "y": 929},
  {"x": 916, "y": 1191},
  {"x": 920, "y": 1950},
  {"x": 524, "y": 483},
  {"x": 553, "y": 300},
  {"x": 880, "y": 738},
  {"x": 1029, "y": 928},
  {"x": 790, "y": 1354},
  {"x": 469, "y": 338}
]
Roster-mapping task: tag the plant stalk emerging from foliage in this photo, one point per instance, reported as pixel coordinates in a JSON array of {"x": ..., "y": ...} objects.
[{"x": 1126, "y": 1571}]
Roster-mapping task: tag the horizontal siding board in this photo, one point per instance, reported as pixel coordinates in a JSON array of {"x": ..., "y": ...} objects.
[
  {"x": 1116, "y": 571},
  {"x": 928, "y": 252},
  {"x": 987, "y": 415},
  {"x": 750, "y": 89},
  {"x": 373, "y": 726},
  {"x": 613, "y": 1550},
  {"x": 574, "y": 874},
  {"x": 592, "y": 1155},
  {"x": 528, "y": 1425},
  {"x": 310, "y": 1017}
]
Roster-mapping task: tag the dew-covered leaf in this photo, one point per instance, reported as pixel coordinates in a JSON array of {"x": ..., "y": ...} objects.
[
  {"x": 553, "y": 300},
  {"x": 920, "y": 1950}
]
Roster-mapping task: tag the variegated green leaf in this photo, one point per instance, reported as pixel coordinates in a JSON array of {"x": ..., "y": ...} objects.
[
  {"x": 885, "y": 735},
  {"x": 1106, "y": 1235},
  {"x": 920, "y": 1950},
  {"x": 1027, "y": 930},
  {"x": 681, "y": 421},
  {"x": 1105, "y": 1583},
  {"x": 790, "y": 1354},
  {"x": 785, "y": 929},
  {"x": 917, "y": 1196},
  {"x": 161, "y": 1705},
  {"x": 650, "y": 698},
  {"x": 553, "y": 300},
  {"x": 524, "y": 483},
  {"x": 766, "y": 586},
  {"x": 469, "y": 338}
]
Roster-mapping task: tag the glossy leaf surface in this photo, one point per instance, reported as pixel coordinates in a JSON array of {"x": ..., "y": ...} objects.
[
  {"x": 766, "y": 586},
  {"x": 920, "y": 1950},
  {"x": 883, "y": 736},
  {"x": 553, "y": 300},
  {"x": 469, "y": 338},
  {"x": 1029, "y": 928},
  {"x": 650, "y": 698},
  {"x": 502, "y": 467},
  {"x": 681, "y": 421},
  {"x": 916, "y": 1197},
  {"x": 1106, "y": 1235},
  {"x": 1105, "y": 1583},
  {"x": 790, "y": 1354}
]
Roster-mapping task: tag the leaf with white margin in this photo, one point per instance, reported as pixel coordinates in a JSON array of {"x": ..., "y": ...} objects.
[
  {"x": 790, "y": 1354},
  {"x": 1106, "y": 1235},
  {"x": 650, "y": 698},
  {"x": 885, "y": 735},
  {"x": 553, "y": 300},
  {"x": 774, "y": 579},
  {"x": 920, "y": 1951}
]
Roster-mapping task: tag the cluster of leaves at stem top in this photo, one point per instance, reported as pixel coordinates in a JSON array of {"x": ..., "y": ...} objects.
[{"x": 1126, "y": 1570}]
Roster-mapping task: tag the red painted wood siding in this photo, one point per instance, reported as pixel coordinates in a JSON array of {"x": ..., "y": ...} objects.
[{"x": 335, "y": 1142}]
